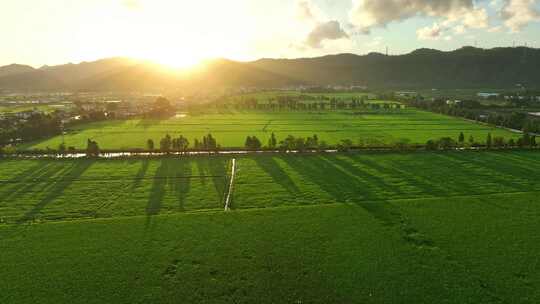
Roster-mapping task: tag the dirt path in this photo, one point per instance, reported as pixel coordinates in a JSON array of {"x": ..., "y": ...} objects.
[{"x": 231, "y": 184}]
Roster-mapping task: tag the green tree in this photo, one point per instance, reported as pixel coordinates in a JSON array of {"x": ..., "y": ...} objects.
[
  {"x": 248, "y": 142},
  {"x": 526, "y": 139},
  {"x": 447, "y": 143},
  {"x": 489, "y": 141},
  {"x": 62, "y": 148},
  {"x": 471, "y": 140},
  {"x": 272, "y": 142},
  {"x": 92, "y": 148},
  {"x": 150, "y": 144},
  {"x": 165, "y": 144},
  {"x": 300, "y": 144},
  {"x": 183, "y": 143},
  {"x": 288, "y": 143},
  {"x": 461, "y": 138},
  {"x": 253, "y": 143},
  {"x": 431, "y": 145},
  {"x": 498, "y": 142},
  {"x": 345, "y": 145},
  {"x": 162, "y": 107}
]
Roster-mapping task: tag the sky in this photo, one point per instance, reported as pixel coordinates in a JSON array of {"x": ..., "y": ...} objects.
[{"x": 184, "y": 32}]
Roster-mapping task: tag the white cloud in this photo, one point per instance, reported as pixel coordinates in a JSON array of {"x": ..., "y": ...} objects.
[
  {"x": 433, "y": 32},
  {"x": 457, "y": 14},
  {"x": 307, "y": 11},
  {"x": 459, "y": 29},
  {"x": 475, "y": 18},
  {"x": 321, "y": 29},
  {"x": 367, "y": 14},
  {"x": 495, "y": 29},
  {"x": 519, "y": 13},
  {"x": 330, "y": 30}
]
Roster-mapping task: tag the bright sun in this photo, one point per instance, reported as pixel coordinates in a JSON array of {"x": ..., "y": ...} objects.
[
  {"x": 164, "y": 32},
  {"x": 180, "y": 59}
]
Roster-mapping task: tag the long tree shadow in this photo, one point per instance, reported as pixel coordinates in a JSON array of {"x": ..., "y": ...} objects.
[
  {"x": 325, "y": 176},
  {"x": 269, "y": 165},
  {"x": 180, "y": 181},
  {"x": 344, "y": 188},
  {"x": 366, "y": 179},
  {"x": 499, "y": 173},
  {"x": 416, "y": 178},
  {"x": 25, "y": 174},
  {"x": 157, "y": 193},
  {"x": 141, "y": 173},
  {"x": 41, "y": 176},
  {"x": 216, "y": 169},
  {"x": 61, "y": 182}
]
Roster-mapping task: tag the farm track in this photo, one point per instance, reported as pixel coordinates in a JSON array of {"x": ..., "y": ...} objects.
[{"x": 231, "y": 186}]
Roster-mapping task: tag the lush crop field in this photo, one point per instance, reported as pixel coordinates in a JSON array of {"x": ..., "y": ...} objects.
[
  {"x": 455, "y": 227},
  {"x": 39, "y": 190},
  {"x": 472, "y": 250},
  {"x": 33, "y": 190},
  {"x": 320, "y": 179},
  {"x": 232, "y": 128}
]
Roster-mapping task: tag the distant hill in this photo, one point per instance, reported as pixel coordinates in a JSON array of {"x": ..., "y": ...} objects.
[
  {"x": 14, "y": 69},
  {"x": 424, "y": 68}
]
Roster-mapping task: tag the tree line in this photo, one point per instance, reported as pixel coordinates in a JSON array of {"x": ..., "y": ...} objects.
[
  {"x": 303, "y": 103},
  {"x": 474, "y": 110},
  {"x": 169, "y": 144},
  {"x": 36, "y": 126}
]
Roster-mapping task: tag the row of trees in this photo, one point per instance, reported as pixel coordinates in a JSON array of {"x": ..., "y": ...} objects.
[
  {"x": 310, "y": 143},
  {"x": 474, "y": 110},
  {"x": 491, "y": 142},
  {"x": 304, "y": 102},
  {"x": 181, "y": 144}
]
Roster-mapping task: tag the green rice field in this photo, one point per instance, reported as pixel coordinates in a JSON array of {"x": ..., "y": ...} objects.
[
  {"x": 231, "y": 128},
  {"x": 452, "y": 227},
  {"x": 36, "y": 190}
]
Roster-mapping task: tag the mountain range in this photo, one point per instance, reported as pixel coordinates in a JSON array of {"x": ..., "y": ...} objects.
[{"x": 467, "y": 67}]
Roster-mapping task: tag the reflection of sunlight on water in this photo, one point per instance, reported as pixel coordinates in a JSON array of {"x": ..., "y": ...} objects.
[{"x": 180, "y": 115}]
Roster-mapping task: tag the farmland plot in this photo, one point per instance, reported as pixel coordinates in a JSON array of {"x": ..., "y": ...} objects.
[{"x": 231, "y": 128}]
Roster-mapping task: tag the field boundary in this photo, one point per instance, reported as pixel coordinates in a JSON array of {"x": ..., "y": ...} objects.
[{"x": 231, "y": 185}]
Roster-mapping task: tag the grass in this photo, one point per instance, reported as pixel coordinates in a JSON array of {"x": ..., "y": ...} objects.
[
  {"x": 454, "y": 227},
  {"x": 232, "y": 128}
]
